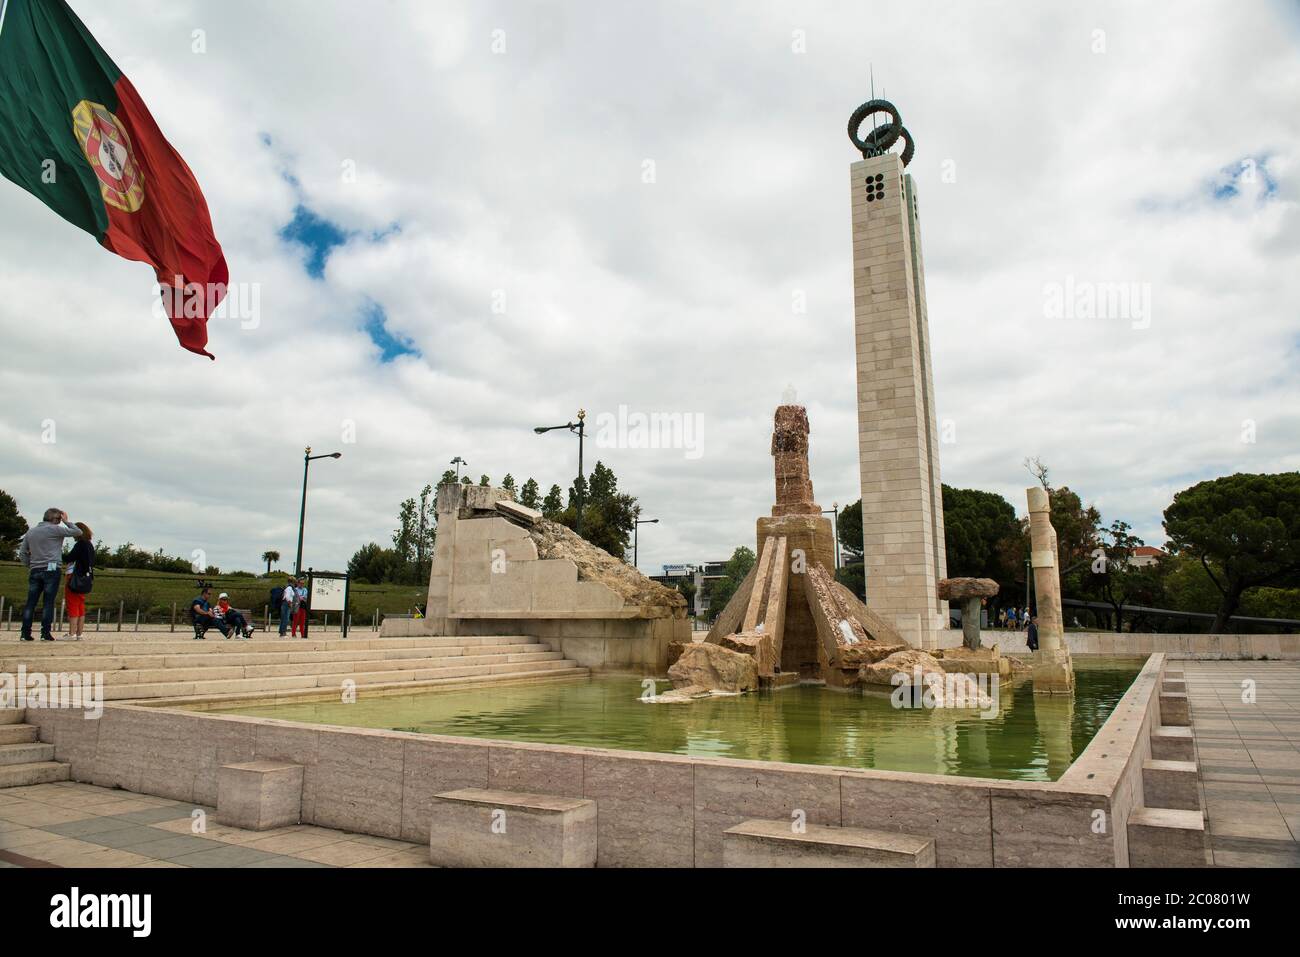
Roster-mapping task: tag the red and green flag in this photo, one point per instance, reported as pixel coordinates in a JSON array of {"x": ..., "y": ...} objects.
[{"x": 76, "y": 135}]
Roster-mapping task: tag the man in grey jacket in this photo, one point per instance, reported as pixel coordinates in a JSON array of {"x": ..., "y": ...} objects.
[{"x": 42, "y": 552}]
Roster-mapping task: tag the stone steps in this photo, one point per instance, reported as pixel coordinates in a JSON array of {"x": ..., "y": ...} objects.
[
  {"x": 184, "y": 644},
  {"x": 11, "y": 715},
  {"x": 233, "y": 657},
  {"x": 217, "y": 671},
  {"x": 18, "y": 734},
  {"x": 11, "y": 754},
  {"x": 180, "y": 667},
  {"x": 409, "y": 687},
  {"x": 39, "y": 772},
  {"x": 245, "y": 686}
]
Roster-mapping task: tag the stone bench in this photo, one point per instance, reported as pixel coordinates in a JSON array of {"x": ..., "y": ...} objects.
[
  {"x": 1171, "y": 784},
  {"x": 1174, "y": 709},
  {"x": 1167, "y": 837},
  {"x": 761, "y": 843},
  {"x": 477, "y": 827},
  {"x": 1173, "y": 744},
  {"x": 259, "y": 795}
]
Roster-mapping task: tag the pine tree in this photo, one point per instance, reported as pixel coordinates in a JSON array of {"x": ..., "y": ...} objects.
[
  {"x": 528, "y": 495},
  {"x": 553, "y": 505}
]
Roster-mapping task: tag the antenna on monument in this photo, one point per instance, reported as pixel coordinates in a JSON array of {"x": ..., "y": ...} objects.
[{"x": 872, "y": 68}]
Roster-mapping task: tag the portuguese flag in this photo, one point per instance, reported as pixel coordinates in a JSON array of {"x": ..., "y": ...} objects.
[{"x": 75, "y": 134}]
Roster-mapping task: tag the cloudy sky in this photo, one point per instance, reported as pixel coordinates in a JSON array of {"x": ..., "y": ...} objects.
[{"x": 459, "y": 221}]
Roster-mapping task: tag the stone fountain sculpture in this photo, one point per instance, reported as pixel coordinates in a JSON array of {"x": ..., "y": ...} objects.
[{"x": 789, "y": 616}]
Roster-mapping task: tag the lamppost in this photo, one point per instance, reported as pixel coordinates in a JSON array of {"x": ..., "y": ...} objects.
[
  {"x": 458, "y": 462},
  {"x": 579, "y": 429},
  {"x": 637, "y": 528},
  {"x": 307, "y": 459},
  {"x": 836, "y": 526},
  {"x": 1029, "y": 577}
]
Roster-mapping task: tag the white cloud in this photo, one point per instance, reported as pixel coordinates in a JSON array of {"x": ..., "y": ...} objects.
[{"x": 523, "y": 172}]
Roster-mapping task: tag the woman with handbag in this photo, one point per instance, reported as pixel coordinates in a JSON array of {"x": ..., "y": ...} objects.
[{"x": 79, "y": 581}]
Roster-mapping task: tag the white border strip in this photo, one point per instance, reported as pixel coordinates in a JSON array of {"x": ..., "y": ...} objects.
[{"x": 4, "y": 5}]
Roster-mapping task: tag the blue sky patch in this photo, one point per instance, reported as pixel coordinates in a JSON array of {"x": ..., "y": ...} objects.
[{"x": 390, "y": 345}]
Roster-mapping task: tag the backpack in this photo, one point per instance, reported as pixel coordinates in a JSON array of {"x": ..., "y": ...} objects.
[{"x": 277, "y": 596}]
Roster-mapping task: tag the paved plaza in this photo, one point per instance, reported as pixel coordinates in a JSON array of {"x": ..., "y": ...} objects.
[
  {"x": 1249, "y": 756},
  {"x": 79, "y": 825}
]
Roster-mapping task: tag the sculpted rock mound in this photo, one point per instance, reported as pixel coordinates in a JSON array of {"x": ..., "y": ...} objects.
[
  {"x": 706, "y": 665},
  {"x": 595, "y": 564},
  {"x": 926, "y": 676}
]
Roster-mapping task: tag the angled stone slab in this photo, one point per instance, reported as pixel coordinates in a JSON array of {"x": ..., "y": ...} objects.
[
  {"x": 522, "y": 513},
  {"x": 480, "y": 827},
  {"x": 764, "y": 843}
]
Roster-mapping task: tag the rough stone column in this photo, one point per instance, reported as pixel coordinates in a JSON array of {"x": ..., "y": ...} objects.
[
  {"x": 1053, "y": 670},
  {"x": 798, "y": 518}
]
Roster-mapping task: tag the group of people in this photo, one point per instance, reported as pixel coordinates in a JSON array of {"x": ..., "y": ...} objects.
[
  {"x": 221, "y": 616},
  {"x": 1016, "y": 619},
  {"x": 41, "y": 551},
  {"x": 292, "y": 602}
]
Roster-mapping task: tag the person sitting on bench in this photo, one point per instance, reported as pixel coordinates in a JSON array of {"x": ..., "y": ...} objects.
[
  {"x": 233, "y": 617},
  {"x": 204, "y": 617}
]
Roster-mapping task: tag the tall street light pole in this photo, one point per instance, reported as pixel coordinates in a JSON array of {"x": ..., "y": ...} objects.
[
  {"x": 307, "y": 459},
  {"x": 458, "y": 462},
  {"x": 636, "y": 537},
  {"x": 836, "y": 530},
  {"x": 579, "y": 429}
]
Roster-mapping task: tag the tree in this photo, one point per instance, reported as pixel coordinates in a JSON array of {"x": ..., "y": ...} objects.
[
  {"x": 528, "y": 495},
  {"x": 269, "y": 557},
  {"x": 553, "y": 504},
  {"x": 448, "y": 478},
  {"x": 508, "y": 483},
  {"x": 977, "y": 526},
  {"x": 1244, "y": 530},
  {"x": 374, "y": 565},
  {"x": 426, "y": 532},
  {"x": 12, "y": 527},
  {"x": 608, "y": 516},
  {"x": 1119, "y": 581},
  {"x": 1039, "y": 470},
  {"x": 407, "y": 533},
  {"x": 733, "y": 575},
  {"x": 484, "y": 481},
  {"x": 466, "y": 480},
  {"x": 850, "y": 527}
]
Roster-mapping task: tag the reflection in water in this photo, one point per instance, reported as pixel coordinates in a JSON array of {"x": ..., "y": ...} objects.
[{"x": 1033, "y": 738}]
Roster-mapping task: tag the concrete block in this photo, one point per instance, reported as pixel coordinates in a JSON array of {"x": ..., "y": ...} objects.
[
  {"x": 1164, "y": 837},
  {"x": 1173, "y": 744},
  {"x": 1174, "y": 709},
  {"x": 761, "y": 843},
  {"x": 1171, "y": 784},
  {"x": 259, "y": 795},
  {"x": 478, "y": 827}
]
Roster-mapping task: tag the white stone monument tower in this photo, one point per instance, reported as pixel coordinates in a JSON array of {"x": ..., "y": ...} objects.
[{"x": 902, "y": 501}]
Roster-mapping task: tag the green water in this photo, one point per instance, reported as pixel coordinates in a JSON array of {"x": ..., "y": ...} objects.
[{"x": 1032, "y": 738}]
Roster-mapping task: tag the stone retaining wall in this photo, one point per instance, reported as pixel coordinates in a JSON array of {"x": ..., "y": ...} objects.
[{"x": 654, "y": 809}]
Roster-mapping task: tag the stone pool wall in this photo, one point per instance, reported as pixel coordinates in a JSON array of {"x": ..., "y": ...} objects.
[
  {"x": 653, "y": 810},
  {"x": 1174, "y": 647}
]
